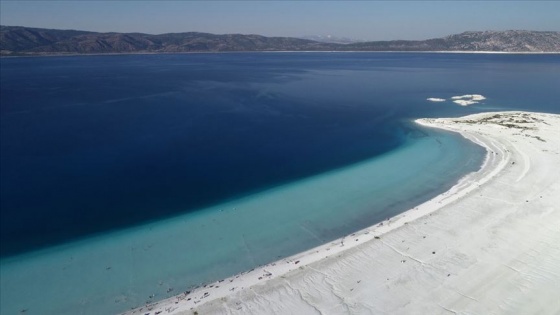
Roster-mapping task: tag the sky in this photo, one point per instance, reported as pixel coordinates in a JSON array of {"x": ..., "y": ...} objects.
[{"x": 365, "y": 20}]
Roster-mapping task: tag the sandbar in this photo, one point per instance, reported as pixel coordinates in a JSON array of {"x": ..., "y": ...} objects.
[
  {"x": 435, "y": 99},
  {"x": 489, "y": 245},
  {"x": 468, "y": 99}
]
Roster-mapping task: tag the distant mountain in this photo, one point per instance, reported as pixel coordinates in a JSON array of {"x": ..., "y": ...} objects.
[
  {"x": 491, "y": 41},
  {"x": 508, "y": 41},
  {"x": 332, "y": 39},
  {"x": 24, "y": 40},
  {"x": 15, "y": 40}
]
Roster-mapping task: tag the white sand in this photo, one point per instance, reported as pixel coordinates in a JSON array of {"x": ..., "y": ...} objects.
[
  {"x": 435, "y": 99},
  {"x": 474, "y": 97},
  {"x": 468, "y": 99},
  {"x": 464, "y": 102},
  {"x": 490, "y": 245}
]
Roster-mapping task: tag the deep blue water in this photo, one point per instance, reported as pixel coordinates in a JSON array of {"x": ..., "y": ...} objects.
[{"x": 96, "y": 143}]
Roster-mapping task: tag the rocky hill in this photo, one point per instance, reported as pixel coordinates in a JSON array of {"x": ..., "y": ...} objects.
[
  {"x": 16, "y": 40},
  {"x": 494, "y": 41},
  {"x": 509, "y": 41}
]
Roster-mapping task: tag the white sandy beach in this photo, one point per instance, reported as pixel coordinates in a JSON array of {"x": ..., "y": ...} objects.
[{"x": 490, "y": 245}]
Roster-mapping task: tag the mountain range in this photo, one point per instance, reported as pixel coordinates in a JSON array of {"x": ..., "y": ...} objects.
[
  {"x": 17, "y": 40},
  {"x": 332, "y": 39}
]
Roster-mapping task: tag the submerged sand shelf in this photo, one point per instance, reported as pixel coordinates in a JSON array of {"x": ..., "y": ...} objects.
[
  {"x": 490, "y": 245},
  {"x": 127, "y": 269}
]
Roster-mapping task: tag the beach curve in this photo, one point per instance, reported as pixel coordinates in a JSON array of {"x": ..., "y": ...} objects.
[{"x": 488, "y": 245}]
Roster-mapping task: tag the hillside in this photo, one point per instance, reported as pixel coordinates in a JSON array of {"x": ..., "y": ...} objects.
[{"x": 16, "y": 40}]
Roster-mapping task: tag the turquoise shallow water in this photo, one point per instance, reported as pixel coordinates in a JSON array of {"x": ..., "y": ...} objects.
[{"x": 116, "y": 271}]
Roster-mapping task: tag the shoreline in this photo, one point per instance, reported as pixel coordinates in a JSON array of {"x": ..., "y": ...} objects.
[
  {"x": 218, "y": 297},
  {"x": 289, "y": 51}
]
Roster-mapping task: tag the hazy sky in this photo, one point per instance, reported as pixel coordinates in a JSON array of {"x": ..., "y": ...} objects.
[{"x": 368, "y": 20}]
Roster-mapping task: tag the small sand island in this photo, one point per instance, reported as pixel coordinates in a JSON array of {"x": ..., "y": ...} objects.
[
  {"x": 435, "y": 99},
  {"x": 487, "y": 246},
  {"x": 469, "y": 99},
  {"x": 463, "y": 100}
]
